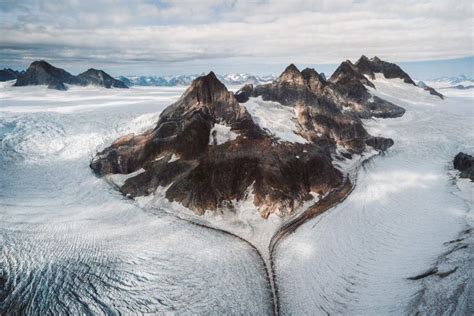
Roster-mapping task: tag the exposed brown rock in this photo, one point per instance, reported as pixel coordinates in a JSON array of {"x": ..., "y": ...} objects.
[
  {"x": 205, "y": 177},
  {"x": 177, "y": 157}
]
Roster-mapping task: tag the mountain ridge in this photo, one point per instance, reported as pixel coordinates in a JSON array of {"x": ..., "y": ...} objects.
[
  {"x": 41, "y": 72},
  {"x": 182, "y": 157}
]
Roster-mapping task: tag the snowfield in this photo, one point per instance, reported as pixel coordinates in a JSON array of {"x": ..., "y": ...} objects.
[
  {"x": 278, "y": 119},
  {"x": 71, "y": 243},
  {"x": 356, "y": 258}
]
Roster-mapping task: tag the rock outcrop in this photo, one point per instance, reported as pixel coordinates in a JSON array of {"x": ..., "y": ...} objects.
[
  {"x": 432, "y": 91},
  {"x": 375, "y": 65},
  {"x": 8, "y": 74},
  {"x": 43, "y": 73},
  {"x": 182, "y": 157},
  {"x": 319, "y": 116},
  {"x": 350, "y": 84},
  {"x": 465, "y": 164},
  {"x": 370, "y": 67}
]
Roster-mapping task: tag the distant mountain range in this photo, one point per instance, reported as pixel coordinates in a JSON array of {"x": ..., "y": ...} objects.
[
  {"x": 43, "y": 73},
  {"x": 457, "y": 82},
  {"x": 186, "y": 80}
]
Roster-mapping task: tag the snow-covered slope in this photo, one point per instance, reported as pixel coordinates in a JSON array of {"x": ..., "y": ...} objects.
[
  {"x": 70, "y": 244},
  {"x": 278, "y": 119},
  {"x": 66, "y": 236},
  {"x": 357, "y": 258}
]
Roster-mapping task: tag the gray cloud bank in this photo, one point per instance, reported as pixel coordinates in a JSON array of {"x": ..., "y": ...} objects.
[{"x": 166, "y": 32}]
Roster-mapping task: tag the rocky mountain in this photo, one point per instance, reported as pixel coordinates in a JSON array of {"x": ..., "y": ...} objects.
[
  {"x": 186, "y": 80},
  {"x": 375, "y": 65},
  {"x": 346, "y": 90},
  {"x": 43, "y": 73},
  {"x": 8, "y": 74},
  {"x": 207, "y": 151},
  {"x": 100, "y": 78},
  {"x": 465, "y": 164}
]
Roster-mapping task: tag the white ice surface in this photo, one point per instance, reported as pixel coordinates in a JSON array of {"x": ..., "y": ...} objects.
[
  {"x": 355, "y": 259},
  {"x": 221, "y": 134},
  {"x": 276, "y": 118},
  {"x": 72, "y": 244}
]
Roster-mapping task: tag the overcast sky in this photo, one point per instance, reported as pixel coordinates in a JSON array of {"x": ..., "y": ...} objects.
[{"x": 183, "y": 37}]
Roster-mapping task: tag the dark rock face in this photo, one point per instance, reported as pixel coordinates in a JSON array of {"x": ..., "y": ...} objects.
[
  {"x": 317, "y": 112},
  {"x": 181, "y": 156},
  {"x": 432, "y": 91},
  {"x": 43, "y": 73},
  {"x": 380, "y": 143},
  {"x": 464, "y": 163},
  {"x": 350, "y": 83},
  {"x": 376, "y": 65},
  {"x": 8, "y": 74},
  {"x": 244, "y": 93},
  {"x": 349, "y": 74},
  {"x": 100, "y": 78}
]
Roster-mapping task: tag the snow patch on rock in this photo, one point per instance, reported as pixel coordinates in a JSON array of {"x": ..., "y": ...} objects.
[
  {"x": 276, "y": 118},
  {"x": 221, "y": 134}
]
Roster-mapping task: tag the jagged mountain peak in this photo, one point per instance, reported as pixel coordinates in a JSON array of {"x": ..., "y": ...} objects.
[
  {"x": 42, "y": 63},
  {"x": 292, "y": 75},
  {"x": 363, "y": 58},
  {"x": 208, "y": 81},
  {"x": 313, "y": 79},
  {"x": 347, "y": 72},
  {"x": 208, "y": 95},
  {"x": 41, "y": 72},
  {"x": 309, "y": 73},
  {"x": 291, "y": 68},
  {"x": 207, "y": 89},
  {"x": 375, "y": 65},
  {"x": 99, "y": 77},
  {"x": 375, "y": 59}
]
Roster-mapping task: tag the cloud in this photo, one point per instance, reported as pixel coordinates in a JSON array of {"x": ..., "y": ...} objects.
[{"x": 166, "y": 31}]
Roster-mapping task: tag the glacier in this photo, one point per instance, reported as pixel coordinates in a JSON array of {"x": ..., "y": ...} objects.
[
  {"x": 404, "y": 213},
  {"x": 70, "y": 243}
]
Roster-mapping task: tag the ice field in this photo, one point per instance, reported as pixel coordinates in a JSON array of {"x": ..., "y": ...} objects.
[{"x": 69, "y": 242}]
